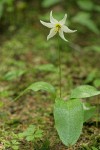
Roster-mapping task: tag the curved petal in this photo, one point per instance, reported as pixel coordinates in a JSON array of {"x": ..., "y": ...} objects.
[
  {"x": 61, "y": 34},
  {"x": 49, "y": 25},
  {"x": 67, "y": 30},
  {"x": 62, "y": 22},
  {"x": 52, "y": 20},
  {"x": 52, "y": 33}
]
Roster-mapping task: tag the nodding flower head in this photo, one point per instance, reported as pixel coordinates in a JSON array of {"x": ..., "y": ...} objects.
[{"x": 57, "y": 26}]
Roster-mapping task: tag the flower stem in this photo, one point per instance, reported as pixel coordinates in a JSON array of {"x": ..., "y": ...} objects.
[{"x": 59, "y": 61}]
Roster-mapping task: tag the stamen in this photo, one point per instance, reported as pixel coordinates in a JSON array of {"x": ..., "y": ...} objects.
[{"x": 58, "y": 26}]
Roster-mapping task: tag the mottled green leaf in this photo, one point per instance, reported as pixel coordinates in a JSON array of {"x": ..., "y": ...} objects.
[
  {"x": 42, "y": 86},
  {"x": 84, "y": 91},
  {"x": 68, "y": 117},
  {"x": 37, "y": 86},
  {"x": 89, "y": 111}
]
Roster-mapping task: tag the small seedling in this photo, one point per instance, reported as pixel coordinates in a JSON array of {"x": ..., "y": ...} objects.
[{"x": 31, "y": 134}]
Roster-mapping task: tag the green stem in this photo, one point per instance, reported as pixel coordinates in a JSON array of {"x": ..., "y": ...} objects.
[
  {"x": 59, "y": 68},
  {"x": 20, "y": 95}
]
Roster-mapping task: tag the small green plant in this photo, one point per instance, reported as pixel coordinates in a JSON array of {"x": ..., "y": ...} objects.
[
  {"x": 69, "y": 115},
  {"x": 31, "y": 134},
  {"x": 13, "y": 141}
]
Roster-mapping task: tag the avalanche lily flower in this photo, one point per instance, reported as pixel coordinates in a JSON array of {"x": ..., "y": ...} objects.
[{"x": 57, "y": 27}]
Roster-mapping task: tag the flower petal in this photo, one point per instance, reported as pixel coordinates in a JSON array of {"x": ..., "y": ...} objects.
[
  {"x": 61, "y": 34},
  {"x": 52, "y": 33},
  {"x": 62, "y": 22},
  {"x": 67, "y": 30},
  {"x": 49, "y": 25},
  {"x": 52, "y": 20}
]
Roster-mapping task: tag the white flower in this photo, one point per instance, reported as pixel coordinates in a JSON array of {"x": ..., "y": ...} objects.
[{"x": 57, "y": 26}]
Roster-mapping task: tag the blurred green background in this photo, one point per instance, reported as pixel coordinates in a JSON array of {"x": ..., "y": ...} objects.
[{"x": 21, "y": 34}]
